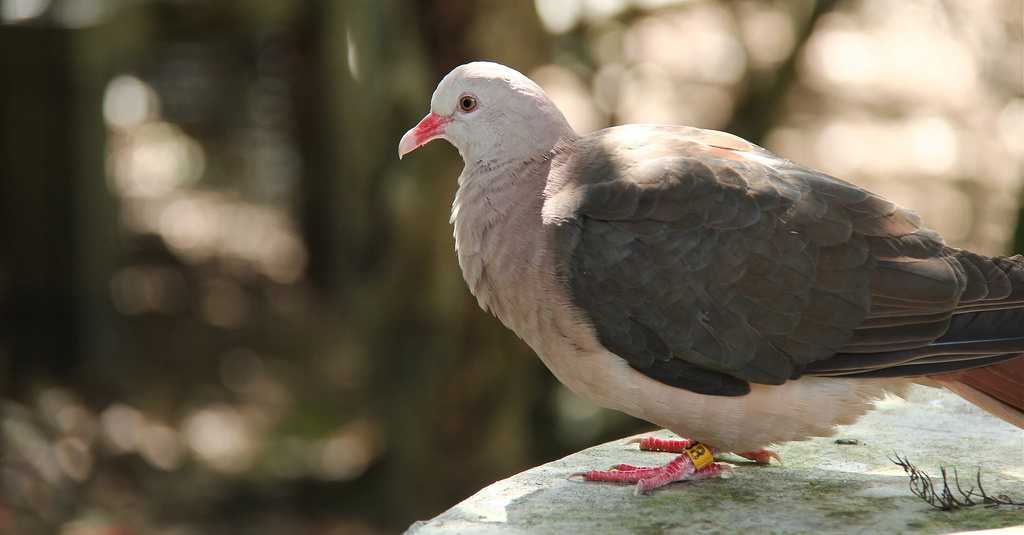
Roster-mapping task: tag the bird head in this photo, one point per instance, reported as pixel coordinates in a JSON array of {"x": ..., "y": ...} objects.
[{"x": 489, "y": 112}]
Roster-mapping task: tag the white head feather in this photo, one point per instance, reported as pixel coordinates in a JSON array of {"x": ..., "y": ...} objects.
[{"x": 513, "y": 119}]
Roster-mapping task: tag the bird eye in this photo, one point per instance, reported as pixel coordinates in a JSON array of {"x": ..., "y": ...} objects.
[{"x": 467, "y": 103}]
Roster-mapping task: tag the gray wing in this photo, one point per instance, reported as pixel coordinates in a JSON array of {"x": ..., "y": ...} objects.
[{"x": 708, "y": 263}]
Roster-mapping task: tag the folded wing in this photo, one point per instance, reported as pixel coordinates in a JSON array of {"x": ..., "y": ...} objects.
[{"x": 709, "y": 263}]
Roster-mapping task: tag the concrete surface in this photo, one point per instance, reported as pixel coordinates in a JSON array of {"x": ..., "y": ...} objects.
[{"x": 824, "y": 487}]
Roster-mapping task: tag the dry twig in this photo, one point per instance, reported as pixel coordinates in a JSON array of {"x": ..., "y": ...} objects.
[{"x": 922, "y": 486}]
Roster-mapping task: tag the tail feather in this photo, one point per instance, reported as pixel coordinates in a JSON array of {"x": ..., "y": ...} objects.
[
  {"x": 1004, "y": 324},
  {"x": 1004, "y": 381},
  {"x": 992, "y": 311},
  {"x": 999, "y": 389}
]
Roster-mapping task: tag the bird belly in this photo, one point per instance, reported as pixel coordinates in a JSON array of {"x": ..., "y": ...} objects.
[{"x": 769, "y": 414}]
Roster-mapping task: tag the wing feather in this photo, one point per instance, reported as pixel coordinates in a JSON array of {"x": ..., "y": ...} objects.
[{"x": 710, "y": 265}]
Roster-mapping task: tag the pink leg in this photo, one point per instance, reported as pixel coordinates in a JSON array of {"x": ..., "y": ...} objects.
[
  {"x": 677, "y": 446},
  {"x": 650, "y": 478},
  {"x": 662, "y": 444}
]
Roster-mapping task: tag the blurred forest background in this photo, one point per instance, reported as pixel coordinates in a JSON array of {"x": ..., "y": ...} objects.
[{"x": 227, "y": 307}]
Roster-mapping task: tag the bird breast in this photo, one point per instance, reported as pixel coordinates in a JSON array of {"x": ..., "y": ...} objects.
[{"x": 503, "y": 251}]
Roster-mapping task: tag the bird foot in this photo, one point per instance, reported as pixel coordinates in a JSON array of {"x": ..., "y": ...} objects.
[
  {"x": 679, "y": 445},
  {"x": 681, "y": 468},
  {"x": 648, "y": 478}
]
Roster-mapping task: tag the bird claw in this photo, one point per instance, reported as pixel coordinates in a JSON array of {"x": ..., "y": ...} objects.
[{"x": 762, "y": 457}]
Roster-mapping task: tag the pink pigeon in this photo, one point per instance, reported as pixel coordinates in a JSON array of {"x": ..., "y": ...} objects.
[{"x": 704, "y": 284}]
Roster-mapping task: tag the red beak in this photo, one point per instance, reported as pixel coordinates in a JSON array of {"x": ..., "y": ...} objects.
[{"x": 428, "y": 129}]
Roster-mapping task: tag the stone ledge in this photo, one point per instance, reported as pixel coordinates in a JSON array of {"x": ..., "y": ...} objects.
[{"x": 824, "y": 487}]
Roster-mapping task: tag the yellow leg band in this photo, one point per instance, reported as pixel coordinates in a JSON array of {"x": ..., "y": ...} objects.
[{"x": 700, "y": 455}]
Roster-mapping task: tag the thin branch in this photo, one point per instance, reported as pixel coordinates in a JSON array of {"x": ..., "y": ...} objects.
[
  {"x": 922, "y": 486},
  {"x": 758, "y": 110}
]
